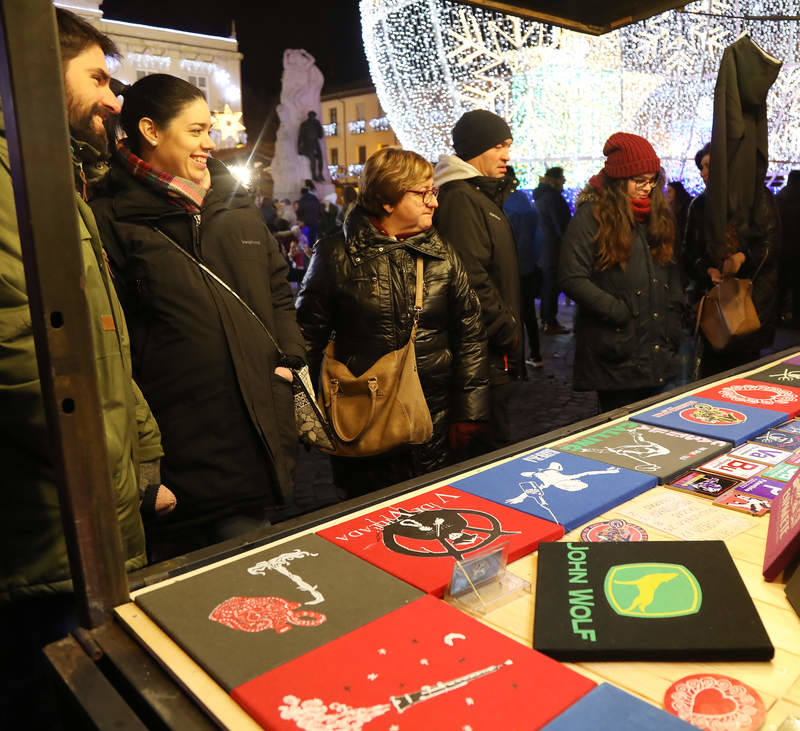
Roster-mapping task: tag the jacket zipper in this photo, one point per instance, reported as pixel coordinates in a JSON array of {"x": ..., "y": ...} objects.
[{"x": 196, "y": 235}]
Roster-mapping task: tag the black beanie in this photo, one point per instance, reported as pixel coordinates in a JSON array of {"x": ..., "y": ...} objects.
[{"x": 477, "y": 131}]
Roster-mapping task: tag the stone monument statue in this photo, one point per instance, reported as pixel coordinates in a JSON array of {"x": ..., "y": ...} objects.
[{"x": 296, "y": 159}]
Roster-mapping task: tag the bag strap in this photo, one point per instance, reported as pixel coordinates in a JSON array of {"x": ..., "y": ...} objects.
[
  {"x": 418, "y": 297},
  {"x": 223, "y": 284},
  {"x": 699, "y": 313},
  {"x": 764, "y": 258}
]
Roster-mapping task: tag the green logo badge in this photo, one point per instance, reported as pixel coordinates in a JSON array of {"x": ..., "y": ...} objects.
[{"x": 652, "y": 590}]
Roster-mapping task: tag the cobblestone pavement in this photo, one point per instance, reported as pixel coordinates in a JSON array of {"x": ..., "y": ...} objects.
[{"x": 545, "y": 401}]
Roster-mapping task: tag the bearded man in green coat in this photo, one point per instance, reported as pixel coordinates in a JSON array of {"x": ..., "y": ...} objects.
[{"x": 36, "y": 601}]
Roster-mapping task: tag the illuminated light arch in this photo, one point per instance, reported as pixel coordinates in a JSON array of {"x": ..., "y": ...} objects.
[{"x": 564, "y": 92}]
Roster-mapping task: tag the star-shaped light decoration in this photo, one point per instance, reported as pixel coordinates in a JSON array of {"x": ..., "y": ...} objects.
[{"x": 229, "y": 123}]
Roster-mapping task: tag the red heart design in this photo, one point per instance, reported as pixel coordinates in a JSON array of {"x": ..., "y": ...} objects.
[{"x": 711, "y": 702}]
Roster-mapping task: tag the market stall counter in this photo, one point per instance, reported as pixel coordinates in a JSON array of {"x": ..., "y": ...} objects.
[{"x": 637, "y": 542}]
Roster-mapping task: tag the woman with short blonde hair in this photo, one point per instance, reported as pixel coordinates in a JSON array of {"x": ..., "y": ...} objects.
[
  {"x": 387, "y": 175},
  {"x": 361, "y": 287}
]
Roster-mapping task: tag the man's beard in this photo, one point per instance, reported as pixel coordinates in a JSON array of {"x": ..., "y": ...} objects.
[{"x": 81, "y": 126}]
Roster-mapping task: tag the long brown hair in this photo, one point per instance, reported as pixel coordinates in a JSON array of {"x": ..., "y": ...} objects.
[{"x": 614, "y": 214}]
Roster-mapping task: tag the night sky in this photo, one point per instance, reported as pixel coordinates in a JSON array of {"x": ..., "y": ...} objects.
[{"x": 330, "y": 30}]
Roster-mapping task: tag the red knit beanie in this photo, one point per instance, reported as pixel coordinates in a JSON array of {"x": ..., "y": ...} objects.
[{"x": 629, "y": 155}]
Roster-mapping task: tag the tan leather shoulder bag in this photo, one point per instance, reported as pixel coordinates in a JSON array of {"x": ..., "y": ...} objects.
[{"x": 384, "y": 407}]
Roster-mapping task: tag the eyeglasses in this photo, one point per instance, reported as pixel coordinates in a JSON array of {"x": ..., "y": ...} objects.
[
  {"x": 642, "y": 182},
  {"x": 428, "y": 196}
]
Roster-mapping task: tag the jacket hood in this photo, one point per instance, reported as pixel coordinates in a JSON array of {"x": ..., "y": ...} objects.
[
  {"x": 364, "y": 242},
  {"x": 589, "y": 194},
  {"x": 517, "y": 203},
  {"x": 756, "y": 72},
  {"x": 91, "y": 162},
  {"x": 450, "y": 168}
]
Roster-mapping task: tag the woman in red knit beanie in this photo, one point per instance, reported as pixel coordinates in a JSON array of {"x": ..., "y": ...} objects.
[{"x": 616, "y": 263}]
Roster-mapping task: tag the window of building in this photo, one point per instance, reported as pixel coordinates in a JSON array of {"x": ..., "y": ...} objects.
[
  {"x": 332, "y": 115},
  {"x": 334, "y": 155},
  {"x": 201, "y": 82},
  {"x": 140, "y": 74},
  {"x": 362, "y": 154},
  {"x": 360, "y": 110}
]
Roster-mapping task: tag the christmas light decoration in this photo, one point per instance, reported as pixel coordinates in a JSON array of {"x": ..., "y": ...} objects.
[
  {"x": 149, "y": 62},
  {"x": 228, "y": 123},
  {"x": 329, "y": 129},
  {"x": 359, "y": 127},
  {"x": 198, "y": 67},
  {"x": 379, "y": 124},
  {"x": 564, "y": 93}
]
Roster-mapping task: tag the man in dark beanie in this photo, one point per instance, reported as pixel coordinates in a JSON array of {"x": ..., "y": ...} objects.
[
  {"x": 473, "y": 187},
  {"x": 554, "y": 216}
]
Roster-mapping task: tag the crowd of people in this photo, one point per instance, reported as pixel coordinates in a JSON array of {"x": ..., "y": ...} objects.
[
  {"x": 297, "y": 224},
  {"x": 186, "y": 275}
]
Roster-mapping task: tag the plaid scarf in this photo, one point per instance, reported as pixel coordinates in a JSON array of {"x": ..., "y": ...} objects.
[{"x": 180, "y": 191}]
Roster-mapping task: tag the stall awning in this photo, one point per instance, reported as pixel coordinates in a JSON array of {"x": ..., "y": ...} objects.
[{"x": 587, "y": 16}]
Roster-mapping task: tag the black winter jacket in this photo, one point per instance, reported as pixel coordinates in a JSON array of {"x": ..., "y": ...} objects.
[
  {"x": 694, "y": 249},
  {"x": 361, "y": 286},
  {"x": 554, "y": 218},
  {"x": 470, "y": 216},
  {"x": 628, "y": 324},
  {"x": 788, "y": 203},
  {"x": 203, "y": 362}
]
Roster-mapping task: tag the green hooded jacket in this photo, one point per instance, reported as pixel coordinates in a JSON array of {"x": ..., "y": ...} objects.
[{"x": 32, "y": 546}]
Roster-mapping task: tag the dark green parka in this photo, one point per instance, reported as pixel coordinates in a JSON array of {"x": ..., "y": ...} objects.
[{"x": 31, "y": 538}]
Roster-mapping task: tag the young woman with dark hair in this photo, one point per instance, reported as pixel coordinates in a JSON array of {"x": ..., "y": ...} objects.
[
  {"x": 617, "y": 264},
  {"x": 215, "y": 382}
]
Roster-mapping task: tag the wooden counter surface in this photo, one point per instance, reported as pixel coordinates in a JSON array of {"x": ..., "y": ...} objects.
[{"x": 777, "y": 681}]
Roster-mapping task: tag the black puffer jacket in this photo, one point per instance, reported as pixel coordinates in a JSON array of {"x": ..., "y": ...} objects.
[
  {"x": 203, "y": 362},
  {"x": 361, "y": 286},
  {"x": 627, "y": 329},
  {"x": 470, "y": 216}
]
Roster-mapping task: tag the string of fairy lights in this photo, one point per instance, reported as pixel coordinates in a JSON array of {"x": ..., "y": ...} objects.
[{"x": 564, "y": 92}]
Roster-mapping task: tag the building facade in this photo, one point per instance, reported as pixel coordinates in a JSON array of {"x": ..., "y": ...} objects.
[
  {"x": 355, "y": 127},
  {"x": 212, "y": 63}
]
